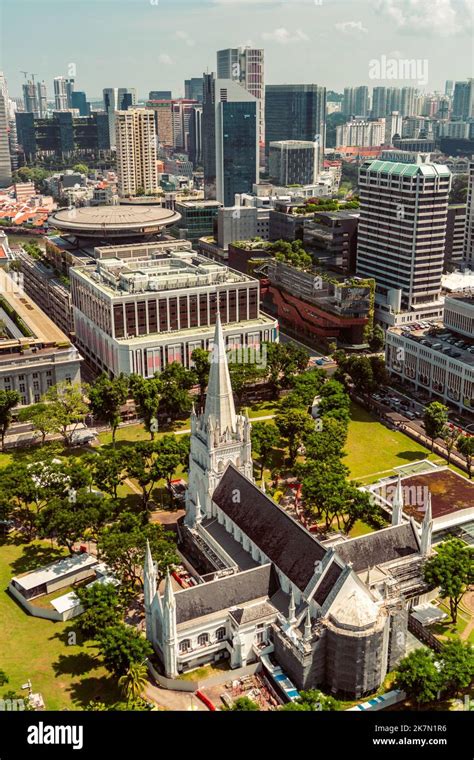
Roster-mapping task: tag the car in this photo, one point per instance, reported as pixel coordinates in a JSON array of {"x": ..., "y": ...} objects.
[
  {"x": 319, "y": 362},
  {"x": 410, "y": 415}
]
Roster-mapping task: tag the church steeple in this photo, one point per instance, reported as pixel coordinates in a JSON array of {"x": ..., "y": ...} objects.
[
  {"x": 427, "y": 529},
  {"x": 220, "y": 400}
]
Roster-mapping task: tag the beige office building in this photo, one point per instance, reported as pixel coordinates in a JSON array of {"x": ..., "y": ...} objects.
[{"x": 136, "y": 151}]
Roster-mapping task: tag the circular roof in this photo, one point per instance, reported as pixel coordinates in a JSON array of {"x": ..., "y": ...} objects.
[{"x": 110, "y": 221}]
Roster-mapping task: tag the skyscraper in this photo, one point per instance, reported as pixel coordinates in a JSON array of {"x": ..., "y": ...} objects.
[
  {"x": 42, "y": 99},
  {"x": 449, "y": 88},
  {"x": 246, "y": 65},
  {"x": 79, "y": 101},
  {"x": 379, "y": 102},
  {"x": 160, "y": 95},
  {"x": 63, "y": 89},
  {"x": 295, "y": 112},
  {"x": 468, "y": 254},
  {"x": 195, "y": 136},
  {"x": 193, "y": 89},
  {"x": 135, "y": 142},
  {"x": 407, "y": 102},
  {"x": 293, "y": 162},
  {"x": 117, "y": 99},
  {"x": 30, "y": 98},
  {"x": 230, "y": 139},
  {"x": 181, "y": 111},
  {"x": 402, "y": 230},
  {"x": 5, "y": 163},
  {"x": 356, "y": 101},
  {"x": 463, "y": 99}
]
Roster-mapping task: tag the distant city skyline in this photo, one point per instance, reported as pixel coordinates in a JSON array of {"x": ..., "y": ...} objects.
[{"x": 157, "y": 44}]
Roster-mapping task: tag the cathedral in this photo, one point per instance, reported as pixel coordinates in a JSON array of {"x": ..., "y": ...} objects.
[{"x": 332, "y": 615}]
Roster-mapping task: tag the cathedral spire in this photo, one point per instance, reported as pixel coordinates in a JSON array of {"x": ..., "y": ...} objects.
[
  {"x": 220, "y": 400},
  {"x": 397, "y": 504},
  {"x": 292, "y": 608}
]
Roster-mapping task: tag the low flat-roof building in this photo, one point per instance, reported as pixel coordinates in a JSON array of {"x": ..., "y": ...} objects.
[
  {"x": 138, "y": 315},
  {"x": 34, "y": 353},
  {"x": 438, "y": 360},
  {"x": 55, "y": 576}
]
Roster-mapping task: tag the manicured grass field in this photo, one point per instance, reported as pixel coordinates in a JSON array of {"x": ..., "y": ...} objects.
[
  {"x": 67, "y": 675},
  {"x": 373, "y": 450}
]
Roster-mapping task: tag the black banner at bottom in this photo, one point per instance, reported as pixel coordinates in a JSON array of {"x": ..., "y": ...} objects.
[{"x": 98, "y": 735}]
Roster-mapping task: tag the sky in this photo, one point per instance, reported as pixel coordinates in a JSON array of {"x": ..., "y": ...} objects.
[{"x": 156, "y": 44}]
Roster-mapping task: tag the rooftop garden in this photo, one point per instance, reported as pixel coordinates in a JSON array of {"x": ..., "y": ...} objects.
[{"x": 313, "y": 205}]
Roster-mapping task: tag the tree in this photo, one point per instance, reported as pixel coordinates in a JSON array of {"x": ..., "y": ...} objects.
[
  {"x": 418, "y": 676},
  {"x": 244, "y": 704},
  {"x": 294, "y": 425},
  {"x": 307, "y": 385},
  {"x": 457, "y": 665},
  {"x": 335, "y": 401},
  {"x": 201, "y": 366},
  {"x": 67, "y": 408},
  {"x": 81, "y": 168},
  {"x": 122, "y": 646},
  {"x": 146, "y": 394},
  {"x": 68, "y": 520},
  {"x": 102, "y": 608},
  {"x": 265, "y": 438},
  {"x": 450, "y": 436},
  {"x": 377, "y": 339},
  {"x": 242, "y": 377},
  {"x": 283, "y": 361},
  {"x": 134, "y": 680},
  {"x": 452, "y": 569},
  {"x": 327, "y": 442},
  {"x": 312, "y": 700},
  {"x": 360, "y": 371},
  {"x": 108, "y": 470},
  {"x": 3, "y": 678},
  {"x": 123, "y": 545},
  {"x": 8, "y": 400},
  {"x": 106, "y": 396},
  {"x": 40, "y": 417},
  {"x": 140, "y": 462},
  {"x": 176, "y": 382},
  {"x": 325, "y": 489},
  {"x": 435, "y": 419},
  {"x": 171, "y": 452},
  {"x": 465, "y": 446}
]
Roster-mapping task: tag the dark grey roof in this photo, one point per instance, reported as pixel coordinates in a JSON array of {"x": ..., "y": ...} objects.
[
  {"x": 223, "y": 593},
  {"x": 329, "y": 579},
  {"x": 284, "y": 541},
  {"x": 380, "y": 547},
  {"x": 253, "y": 612}
]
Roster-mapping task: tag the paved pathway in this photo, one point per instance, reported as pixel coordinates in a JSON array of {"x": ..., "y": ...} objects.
[{"x": 173, "y": 700}]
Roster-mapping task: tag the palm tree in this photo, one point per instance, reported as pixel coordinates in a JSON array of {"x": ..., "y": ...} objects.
[{"x": 134, "y": 680}]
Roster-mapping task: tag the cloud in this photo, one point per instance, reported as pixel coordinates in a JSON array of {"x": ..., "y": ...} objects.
[
  {"x": 184, "y": 36},
  {"x": 165, "y": 59},
  {"x": 283, "y": 36},
  {"x": 347, "y": 27},
  {"x": 440, "y": 17}
]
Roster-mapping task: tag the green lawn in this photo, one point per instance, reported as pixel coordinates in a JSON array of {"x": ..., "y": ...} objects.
[
  {"x": 67, "y": 675},
  {"x": 373, "y": 450},
  {"x": 447, "y": 629}
]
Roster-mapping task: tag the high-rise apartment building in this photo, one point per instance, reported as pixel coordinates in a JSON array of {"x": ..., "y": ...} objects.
[
  {"x": 5, "y": 163},
  {"x": 469, "y": 230},
  {"x": 246, "y": 65},
  {"x": 63, "y": 89},
  {"x": 30, "y": 98},
  {"x": 393, "y": 126},
  {"x": 230, "y": 139},
  {"x": 402, "y": 231},
  {"x": 117, "y": 99},
  {"x": 42, "y": 100},
  {"x": 163, "y": 114},
  {"x": 356, "y": 101},
  {"x": 135, "y": 141},
  {"x": 367, "y": 134},
  {"x": 79, "y": 101},
  {"x": 295, "y": 112},
  {"x": 407, "y": 101},
  {"x": 463, "y": 99}
]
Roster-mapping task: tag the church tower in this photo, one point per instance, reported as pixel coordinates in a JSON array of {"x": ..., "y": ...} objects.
[{"x": 218, "y": 436}]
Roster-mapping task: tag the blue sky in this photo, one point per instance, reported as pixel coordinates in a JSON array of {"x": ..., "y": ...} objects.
[{"x": 156, "y": 44}]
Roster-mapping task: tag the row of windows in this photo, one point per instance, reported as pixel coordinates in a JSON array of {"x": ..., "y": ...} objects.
[{"x": 202, "y": 640}]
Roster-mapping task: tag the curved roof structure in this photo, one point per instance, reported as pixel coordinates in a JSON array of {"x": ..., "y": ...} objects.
[{"x": 113, "y": 221}]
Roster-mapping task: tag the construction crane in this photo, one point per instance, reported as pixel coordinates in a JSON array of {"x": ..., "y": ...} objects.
[{"x": 25, "y": 73}]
